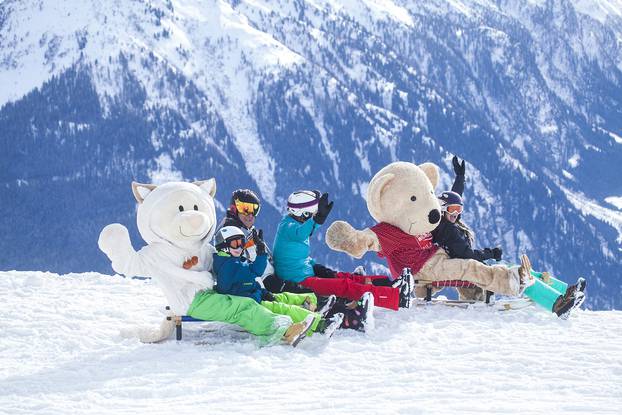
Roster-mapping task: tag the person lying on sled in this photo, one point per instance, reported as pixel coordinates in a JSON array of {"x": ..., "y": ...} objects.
[
  {"x": 306, "y": 211},
  {"x": 237, "y": 277},
  {"x": 453, "y": 235}
]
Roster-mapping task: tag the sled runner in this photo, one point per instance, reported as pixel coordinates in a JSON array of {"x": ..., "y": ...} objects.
[
  {"x": 504, "y": 304},
  {"x": 430, "y": 285}
]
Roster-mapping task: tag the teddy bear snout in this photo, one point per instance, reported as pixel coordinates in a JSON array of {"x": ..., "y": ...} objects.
[
  {"x": 434, "y": 216},
  {"x": 192, "y": 223}
]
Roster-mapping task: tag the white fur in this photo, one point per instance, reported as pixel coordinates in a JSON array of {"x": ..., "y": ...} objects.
[{"x": 172, "y": 237}]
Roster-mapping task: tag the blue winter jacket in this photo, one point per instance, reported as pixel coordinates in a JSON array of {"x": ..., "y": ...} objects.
[
  {"x": 236, "y": 277},
  {"x": 291, "y": 249}
]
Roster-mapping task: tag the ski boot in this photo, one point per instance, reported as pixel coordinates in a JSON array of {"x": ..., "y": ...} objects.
[
  {"x": 328, "y": 305},
  {"x": 328, "y": 326},
  {"x": 361, "y": 317},
  {"x": 568, "y": 302},
  {"x": 406, "y": 284}
]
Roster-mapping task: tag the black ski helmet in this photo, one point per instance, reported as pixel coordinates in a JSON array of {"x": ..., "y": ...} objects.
[{"x": 246, "y": 196}]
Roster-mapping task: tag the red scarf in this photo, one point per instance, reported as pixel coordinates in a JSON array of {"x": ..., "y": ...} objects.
[{"x": 403, "y": 250}]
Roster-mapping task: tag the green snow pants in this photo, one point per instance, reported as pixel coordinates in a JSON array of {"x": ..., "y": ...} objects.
[
  {"x": 295, "y": 298},
  {"x": 289, "y": 304},
  {"x": 243, "y": 311}
]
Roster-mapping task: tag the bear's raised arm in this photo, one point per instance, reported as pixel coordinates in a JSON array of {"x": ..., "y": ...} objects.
[
  {"x": 114, "y": 241},
  {"x": 341, "y": 236}
]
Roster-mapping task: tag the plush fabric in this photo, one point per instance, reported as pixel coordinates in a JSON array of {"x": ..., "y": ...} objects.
[
  {"x": 401, "y": 196},
  {"x": 172, "y": 236}
]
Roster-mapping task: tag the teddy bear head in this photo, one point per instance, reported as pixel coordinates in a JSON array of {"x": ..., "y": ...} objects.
[
  {"x": 402, "y": 194},
  {"x": 177, "y": 212}
]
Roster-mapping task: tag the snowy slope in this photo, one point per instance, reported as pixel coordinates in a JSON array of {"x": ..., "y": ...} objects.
[
  {"x": 62, "y": 352},
  {"x": 276, "y": 95}
]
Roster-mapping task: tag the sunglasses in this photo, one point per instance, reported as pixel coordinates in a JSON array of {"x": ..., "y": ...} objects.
[
  {"x": 453, "y": 209},
  {"x": 236, "y": 243},
  {"x": 246, "y": 208}
]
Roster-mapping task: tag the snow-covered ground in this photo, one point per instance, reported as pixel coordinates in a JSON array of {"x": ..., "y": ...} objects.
[{"x": 61, "y": 351}]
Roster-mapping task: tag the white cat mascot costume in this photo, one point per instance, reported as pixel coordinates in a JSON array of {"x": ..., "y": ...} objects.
[{"x": 178, "y": 220}]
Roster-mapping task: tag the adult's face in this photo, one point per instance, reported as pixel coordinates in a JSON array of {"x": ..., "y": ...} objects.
[{"x": 247, "y": 220}]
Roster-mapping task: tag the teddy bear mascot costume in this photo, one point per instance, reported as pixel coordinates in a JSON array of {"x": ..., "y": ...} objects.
[
  {"x": 177, "y": 221},
  {"x": 400, "y": 197}
]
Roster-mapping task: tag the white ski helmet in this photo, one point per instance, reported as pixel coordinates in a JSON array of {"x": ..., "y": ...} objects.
[
  {"x": 303, "y": 203},
  {"x": 227, "y": 234}
]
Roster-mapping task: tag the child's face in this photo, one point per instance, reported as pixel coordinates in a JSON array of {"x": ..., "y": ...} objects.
[{"x": 236, "y": 252}]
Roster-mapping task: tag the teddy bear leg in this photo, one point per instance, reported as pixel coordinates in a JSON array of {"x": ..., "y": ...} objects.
[{"x": 496, "y": 278}]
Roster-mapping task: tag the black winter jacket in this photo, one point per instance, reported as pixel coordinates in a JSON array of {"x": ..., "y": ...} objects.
[{"x": 454, "y": 240}]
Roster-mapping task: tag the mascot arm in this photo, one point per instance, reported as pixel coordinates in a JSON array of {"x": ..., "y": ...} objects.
[
  {"x": 114, "y": 241},
  {"x": 341, "y": 236},
  {"x": 201, "y": 278}
]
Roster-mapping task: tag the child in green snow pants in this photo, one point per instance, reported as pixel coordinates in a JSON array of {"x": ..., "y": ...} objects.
[{"x": 245, "y": 312}]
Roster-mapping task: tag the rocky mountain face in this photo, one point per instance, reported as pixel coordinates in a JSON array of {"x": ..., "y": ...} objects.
[{"x": 281, "y": 95}]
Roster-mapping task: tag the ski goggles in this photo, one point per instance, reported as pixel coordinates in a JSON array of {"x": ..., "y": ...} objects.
[
  {"x": 246, "y": 208},
  {"x": 453, "y": 209},
  {"x": 236, "y": 243}
]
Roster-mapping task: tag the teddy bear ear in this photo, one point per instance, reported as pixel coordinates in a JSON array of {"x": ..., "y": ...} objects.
[
  {"x": 141, "y": 190},
  {"x": 375, "y": 190},
  {"x": 431, "y": 170},
  {"x": 208, "y": 186}
]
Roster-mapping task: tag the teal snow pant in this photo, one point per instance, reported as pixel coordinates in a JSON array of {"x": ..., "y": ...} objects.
[
  {"x": 544, "y": 291},
  {"x": 243, "y": 311},
  {"x": 289, "y": 304}
]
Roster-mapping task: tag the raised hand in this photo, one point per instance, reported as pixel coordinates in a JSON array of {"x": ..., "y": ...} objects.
[
  {"x": 323, "y": 209},
  {"x": 260, "y": 245},
  {"x": 459, "y": 167}
]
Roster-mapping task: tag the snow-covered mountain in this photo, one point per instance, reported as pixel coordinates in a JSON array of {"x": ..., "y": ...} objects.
[
  {"x": 62, "y": 352},
  {"x": 279, "y": 95}
]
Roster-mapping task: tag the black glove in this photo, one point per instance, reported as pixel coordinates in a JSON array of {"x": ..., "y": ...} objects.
[
  {"x": 323, "y": 209},
  {"x": 267, "y": 295},
  {"x": 497, "y": 253},
  {"x": 260, "y": 245},
  {"x": 459, "y": 167}
]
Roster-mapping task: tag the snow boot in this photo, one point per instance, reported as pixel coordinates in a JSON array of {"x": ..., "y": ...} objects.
[
  {"x": 361, "y": 317},
  {"x": 406, "y": 284},
  {"x": 328, "y": 326},
  {"x": 298, "y": 331},
  {"x": 574, "y": 289},
  {"x": 328, "y": 305},
  {"x": 564, "y": 304}
]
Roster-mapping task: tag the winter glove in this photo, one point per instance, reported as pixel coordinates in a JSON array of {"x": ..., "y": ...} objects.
[
  {"x": 260, "y": 245},
  {"x": 459, "y": 167},
  {"x": 267, "y": 296},
  {"x": 497, "y": 253},
  {"x": 323, "y": 209}
]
